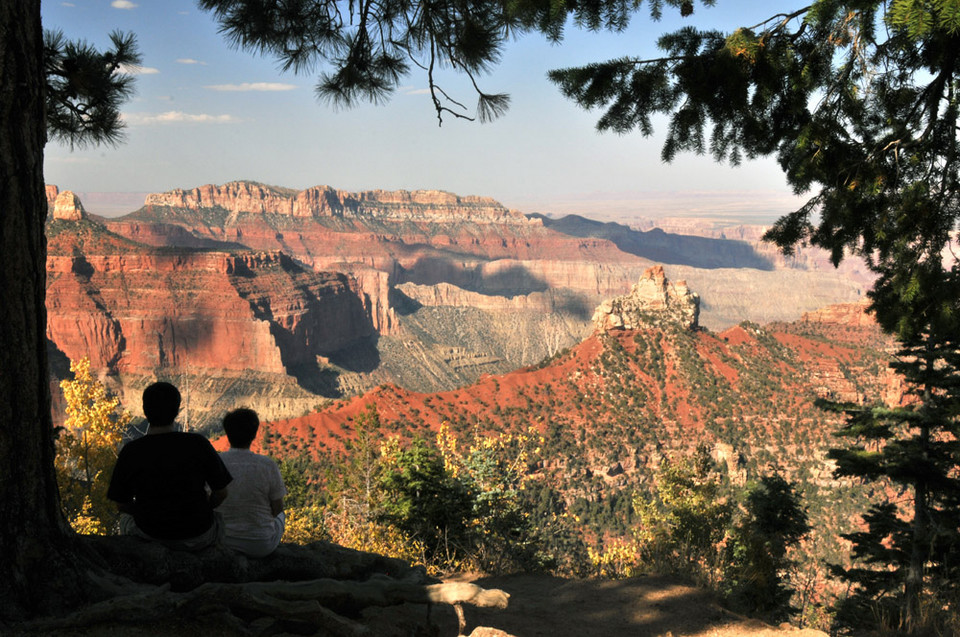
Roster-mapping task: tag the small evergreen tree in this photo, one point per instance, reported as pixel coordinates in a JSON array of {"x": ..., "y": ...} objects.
[
  {"x": 757, "y": 559},
  {"x": 422, "y": 498}
]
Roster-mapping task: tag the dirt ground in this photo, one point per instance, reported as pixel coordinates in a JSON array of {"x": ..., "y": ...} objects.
[{"x": 541, "y": 605}]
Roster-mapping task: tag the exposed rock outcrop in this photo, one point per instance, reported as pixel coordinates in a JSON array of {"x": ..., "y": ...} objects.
[
  {"x": 135, "y": 313},
  {"x": 654, "y": 300},
  {"x": 247, "y": 326},
  {"x": 67, "y": 207},
  {"x": 846, "y": 314},
  {"x": 444, "y": 294},
  {"x": 52, "y": 192},
  {"x": 324, "y": 201}
]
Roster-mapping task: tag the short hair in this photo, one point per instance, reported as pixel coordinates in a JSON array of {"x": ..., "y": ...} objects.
[
  {"x": 161, "y": 404},
  {"x": 241, "y": 427}
]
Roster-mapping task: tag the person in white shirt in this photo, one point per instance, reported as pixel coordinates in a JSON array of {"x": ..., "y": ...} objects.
[{"x": 253, "y": 518}]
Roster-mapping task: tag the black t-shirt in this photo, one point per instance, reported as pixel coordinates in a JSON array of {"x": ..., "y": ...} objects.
[{"x": 165, "y": 474}]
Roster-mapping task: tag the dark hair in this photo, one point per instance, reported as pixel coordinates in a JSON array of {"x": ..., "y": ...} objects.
[
  {"x": 241, "y": 426},
  {"x": 161, "y": 404}
]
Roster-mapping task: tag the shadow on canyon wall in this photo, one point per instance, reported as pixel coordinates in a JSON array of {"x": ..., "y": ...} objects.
[
  {"x": 663, "y": 247},
  {"x": 509, "y": 281},
  {"x": 402, "y": 304},
  {"x": 576, "y": 306},
  {"x": 515, "y": 280}
]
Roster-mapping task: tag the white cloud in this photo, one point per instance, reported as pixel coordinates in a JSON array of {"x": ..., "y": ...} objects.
[
  {"x": 252, "y": 86},
  {"x": 123, "y": 4},
  {"x": 418, "y": 91},
  {"x": 177, "y": 117},
  {"x": 67, "y": 4},
  {"x": 190, "y": 61},
  {"x": 137, "y": 70}
]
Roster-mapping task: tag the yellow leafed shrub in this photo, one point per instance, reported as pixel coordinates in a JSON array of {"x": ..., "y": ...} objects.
[{"x": 87, "y": 447}]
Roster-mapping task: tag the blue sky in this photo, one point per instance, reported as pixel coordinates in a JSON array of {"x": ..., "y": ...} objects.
[{"x": 206, "y": 113}]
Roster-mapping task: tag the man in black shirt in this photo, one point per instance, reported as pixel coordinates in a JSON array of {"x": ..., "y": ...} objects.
[{"x": 161, "y": 480}]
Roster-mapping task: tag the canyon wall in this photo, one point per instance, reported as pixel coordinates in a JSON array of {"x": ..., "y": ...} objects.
[
  {"x": 324, "y": 201},
  {"x": 136, "y": 313}
]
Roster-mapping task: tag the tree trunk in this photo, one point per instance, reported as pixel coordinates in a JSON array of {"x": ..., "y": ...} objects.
[
  {"x": 919, "y": 548},
  {"x": 913, "y": 587},
  {"x": 33, "y": 534}
]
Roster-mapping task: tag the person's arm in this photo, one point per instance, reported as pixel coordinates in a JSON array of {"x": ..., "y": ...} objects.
[
  {"x": 119, "y": 489},
  {"x": 217, "y": 496},
  {"x": 276, "y": 507},
  {"x": 216, "y": 473}
]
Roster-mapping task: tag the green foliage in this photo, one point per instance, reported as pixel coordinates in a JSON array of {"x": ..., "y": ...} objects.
[
  {"x": 756, "y": 563},
  {"x": 908, "y": 559},
  {"x": 367, "y": 49},
  {"x": 679, "y": 530},
  {"x": 363, "y": 466},
  {"x": 370, "y": 47},
  {"x": 505, "y": 533},
  {"x": 86, "y": 87},
  {"x": 863, "y": 117},
  {"x": 421, "y": 498}
]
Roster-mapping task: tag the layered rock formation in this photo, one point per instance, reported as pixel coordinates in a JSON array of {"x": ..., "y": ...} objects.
[
  {"x": 52, "y": 191},
  {"x": 238, "y": 323},
  {"x": 445, "y": 294},
  {"x": 215, "y": 311},
  {"x": 67, "y": 207},
  {"x": 447, "y": 287},
  {"x": 323, "y": 201},
  {"x": 430, "y": 237},
  {"x": 653, "y": 300},
  {"x": 846, "y": 314}
]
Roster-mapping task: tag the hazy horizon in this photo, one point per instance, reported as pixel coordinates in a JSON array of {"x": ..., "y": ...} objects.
[{"x": 627, "y": 207}]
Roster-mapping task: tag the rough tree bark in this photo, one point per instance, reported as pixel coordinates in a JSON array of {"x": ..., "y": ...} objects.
[{"x": 34, "y": 539}]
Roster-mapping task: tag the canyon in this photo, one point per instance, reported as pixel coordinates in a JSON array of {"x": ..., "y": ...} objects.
[
  {"x": 283, "y": 299},
  {"x": 650, "y": 386}
]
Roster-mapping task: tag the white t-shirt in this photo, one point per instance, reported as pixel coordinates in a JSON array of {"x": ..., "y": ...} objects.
[{"x": 256, "y": 482}]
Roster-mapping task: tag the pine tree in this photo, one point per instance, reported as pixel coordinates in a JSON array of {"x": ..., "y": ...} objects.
[
  {"x": 757, "y": 564},
  {"x": 907, "y": 561}
]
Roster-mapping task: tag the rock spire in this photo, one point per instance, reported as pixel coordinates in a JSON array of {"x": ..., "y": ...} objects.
[{"x": 652, "y": 300}]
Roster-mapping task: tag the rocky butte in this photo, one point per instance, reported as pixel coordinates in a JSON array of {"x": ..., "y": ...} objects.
[{"x": 653, "y": 299}]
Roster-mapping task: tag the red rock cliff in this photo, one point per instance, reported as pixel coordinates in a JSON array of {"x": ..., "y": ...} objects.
[{"x": 136, "y": 313}]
